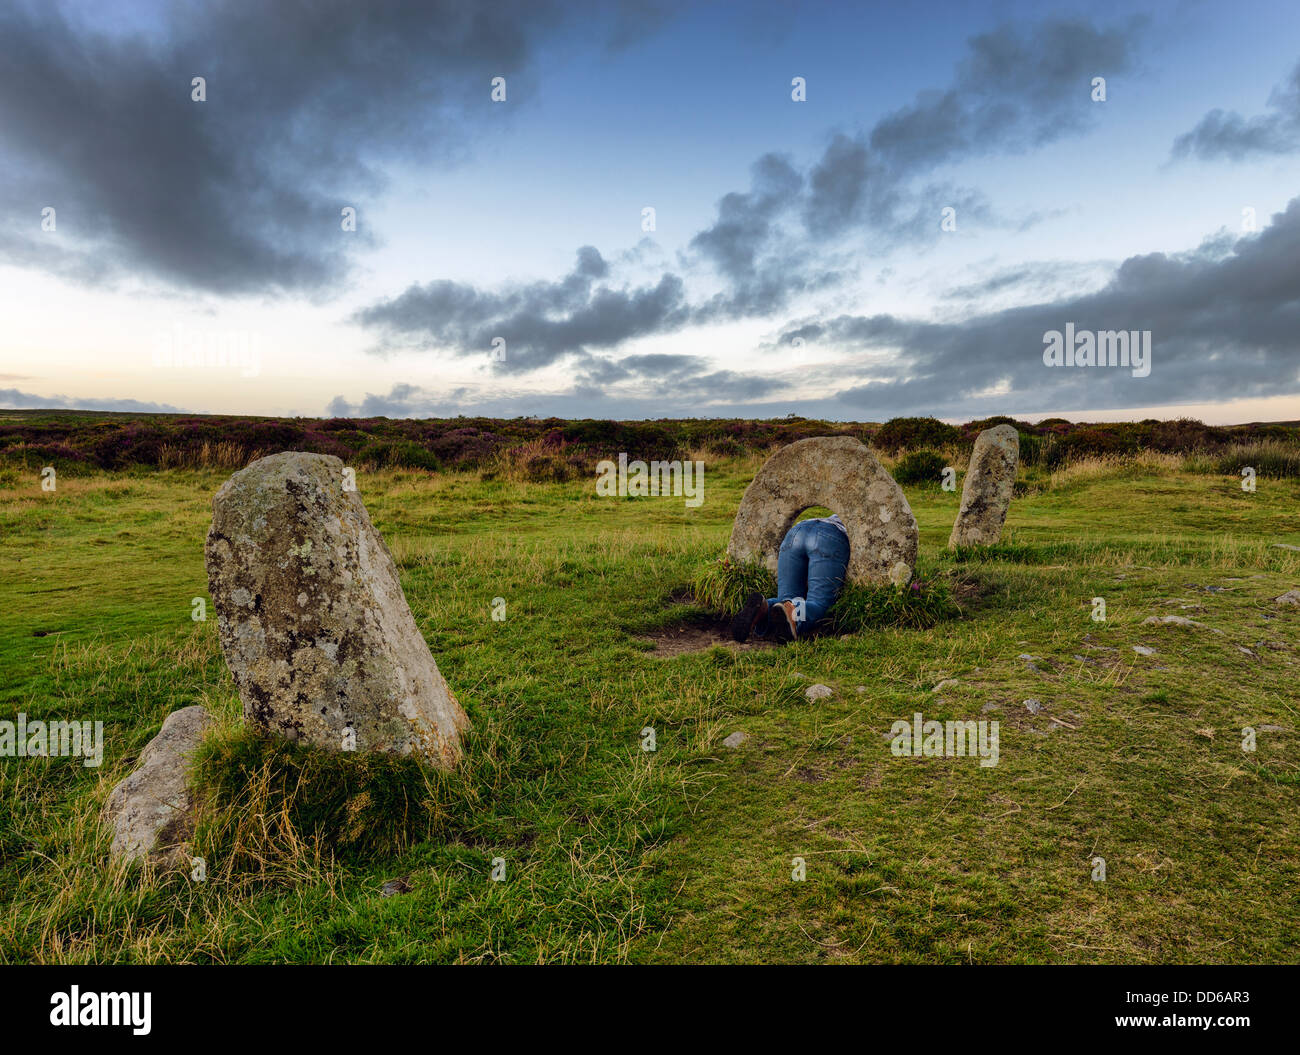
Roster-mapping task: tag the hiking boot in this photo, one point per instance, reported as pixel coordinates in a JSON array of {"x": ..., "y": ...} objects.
[
  {"x": 743, "y": 623},
  {"x": 782, "y": 621}
]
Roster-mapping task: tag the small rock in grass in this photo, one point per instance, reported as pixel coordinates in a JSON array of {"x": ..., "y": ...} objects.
[
  {"x": 862, "y": 688},
  {"x": 394, "y": 887},
  {"x": 817, "y": 692},
  {"x": 1272, "y": 728},
  {"x": 945, "y": 684},
  {"x": 735, "y": 739},
  {"x": 990, "y": 707},
  {"x": 1284, "y": 545},
  {"x": 1033, "y": 706},
  {"x": 1175, "y": 620},
  {"x": 1291, "y": 597},
  {"x": 1143, "y": 650},
  {"x": 1030, "y": 665}
]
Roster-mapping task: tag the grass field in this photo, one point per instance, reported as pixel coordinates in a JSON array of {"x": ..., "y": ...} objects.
[{"x": 613, "y": 853}]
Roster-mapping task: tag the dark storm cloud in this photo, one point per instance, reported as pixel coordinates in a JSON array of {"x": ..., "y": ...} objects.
[
  {"x": 1037, "y": 277},
  {"x": 745, "y": 223},
  {"x": 1226, "y": 134},
  {"x": 539, "y": 322},
  {"x": 688, "y": 377},
  {"x": 1014, "y": 91},
  {"x": 721, "y": 392},
  {"x": 13, "y": 398},
  {"x": 772, "y": 242},
  {"x": 598, "y": 370},
  {"x": 243, "y": 192},
  {"x": 1223, "y": 320}
]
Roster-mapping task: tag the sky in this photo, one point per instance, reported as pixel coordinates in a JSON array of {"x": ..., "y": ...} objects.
[{"x": 653, "y": 209}]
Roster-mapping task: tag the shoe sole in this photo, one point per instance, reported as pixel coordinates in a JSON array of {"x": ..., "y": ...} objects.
[{"x": 743, "y": 623}]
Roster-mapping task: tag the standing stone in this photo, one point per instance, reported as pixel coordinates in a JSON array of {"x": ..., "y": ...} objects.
[
  {"x": 986, "y": 493},
  {"x": 151, "y": 812},
  {"x": 837, "y": 472},
  {"x": 312, "y": 619}
]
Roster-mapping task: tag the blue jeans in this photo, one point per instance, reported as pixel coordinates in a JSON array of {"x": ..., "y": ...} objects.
[{"x": 810, "y": 569}]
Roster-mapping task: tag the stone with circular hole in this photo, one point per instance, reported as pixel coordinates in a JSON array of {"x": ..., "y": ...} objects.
[{"x": 841, "y": 474}]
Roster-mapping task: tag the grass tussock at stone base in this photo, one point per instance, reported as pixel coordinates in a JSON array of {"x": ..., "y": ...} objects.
[
  {"x": 921, "y": 604},
  {"x": 723, "y": 585},
  {"x": 269, "y": 806}
]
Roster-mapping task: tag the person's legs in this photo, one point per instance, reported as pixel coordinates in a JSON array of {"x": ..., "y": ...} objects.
[
  {"x": 828, "y": 561},
  {"x": 791, "y": 579},
  {"x": 792, "y": 562}
]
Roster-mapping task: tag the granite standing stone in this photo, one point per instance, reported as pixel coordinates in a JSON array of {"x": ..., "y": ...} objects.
[
  {"x": 312, "y": 619},
  {"x": 986, "y": 492}
]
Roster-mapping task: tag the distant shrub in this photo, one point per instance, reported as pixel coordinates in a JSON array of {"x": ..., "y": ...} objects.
[
  {"x": 646, "y": 440},
  {"x": 223, "y": 454},
  {"x": 1252, "y": 433},
  {"x": 540, "y": 462},
  {"x": 136, "y": 443},
  {"x": 1090, "y": 442},
  {"x": 320, "y": 443},
  {"x": 725, "y": 447},
  {"x": 274, "y": 436},
  {"x": 465, "y": 447},
  {"x": 397, "y": 454},
  {"x": 920, "y": 467},
  {"x": 1032, "y": 448},
  {"x": 914, "y": 433},
  {"x": 1279, "y": 461},
  {"x": 1182, "y": 436},
  {"x": 973, "y": 428},
  {"x": 62, "y": 458}
]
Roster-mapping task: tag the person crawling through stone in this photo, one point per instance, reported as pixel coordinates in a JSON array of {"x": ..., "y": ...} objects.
[{"x": 810, "y": 570}]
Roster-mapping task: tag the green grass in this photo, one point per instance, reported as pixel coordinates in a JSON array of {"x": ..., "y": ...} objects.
[{"x": 613, "y": 853}]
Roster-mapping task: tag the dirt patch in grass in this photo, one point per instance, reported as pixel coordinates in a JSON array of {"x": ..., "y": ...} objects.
[{"x": 697, "y": 637}]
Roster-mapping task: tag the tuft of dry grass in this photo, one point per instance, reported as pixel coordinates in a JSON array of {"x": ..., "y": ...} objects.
[{"x": 223, "y": 454}]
